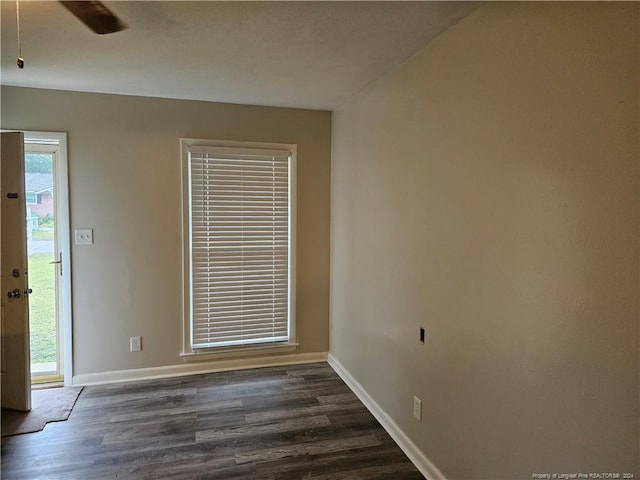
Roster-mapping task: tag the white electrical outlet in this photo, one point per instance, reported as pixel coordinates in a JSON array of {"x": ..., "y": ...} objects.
[
  {"x": 417, "y": 408},
  {"x": 135, "y": 344}
]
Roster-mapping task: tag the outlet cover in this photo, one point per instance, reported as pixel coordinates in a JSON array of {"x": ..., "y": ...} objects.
[
  {"x": 417, "y": 408},
  {"x": 135, "y": 344}
]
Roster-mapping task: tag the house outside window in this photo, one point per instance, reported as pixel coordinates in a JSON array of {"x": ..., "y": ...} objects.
[
  {"x": 39, "y": 192},
  {"x": 31, "y": 198}
]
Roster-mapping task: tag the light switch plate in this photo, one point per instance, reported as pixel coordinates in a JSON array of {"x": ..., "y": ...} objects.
[{"x": 84, "y": 236}]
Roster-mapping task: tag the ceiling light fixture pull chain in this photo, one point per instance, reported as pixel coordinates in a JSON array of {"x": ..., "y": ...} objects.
[{"x": 20, "y": 61}]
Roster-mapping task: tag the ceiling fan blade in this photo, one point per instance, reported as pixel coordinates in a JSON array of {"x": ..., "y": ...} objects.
[{"x": 95, "y": 15}]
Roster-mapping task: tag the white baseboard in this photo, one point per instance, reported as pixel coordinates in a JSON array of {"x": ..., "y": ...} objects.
[
  {"x": 422, "y": 463},
  {"x": 196, "y": 368}
]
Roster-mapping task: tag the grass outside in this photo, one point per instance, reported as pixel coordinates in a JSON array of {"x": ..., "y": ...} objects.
[
  {"x": 42, "y": 235},
  {"x": 42, "y": 317}
]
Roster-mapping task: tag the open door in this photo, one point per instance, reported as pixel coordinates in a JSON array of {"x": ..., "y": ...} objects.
[{"x": 14, "y": 289}]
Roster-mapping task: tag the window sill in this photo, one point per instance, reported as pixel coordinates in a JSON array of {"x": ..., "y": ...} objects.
[{"x": 233, "y": 352}]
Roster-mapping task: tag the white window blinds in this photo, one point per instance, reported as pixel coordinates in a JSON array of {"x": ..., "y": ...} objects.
[{"x": 240, "y": 243}]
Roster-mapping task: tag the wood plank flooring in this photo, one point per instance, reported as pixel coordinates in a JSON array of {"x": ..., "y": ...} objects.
[{"x": 284, "y": 423}]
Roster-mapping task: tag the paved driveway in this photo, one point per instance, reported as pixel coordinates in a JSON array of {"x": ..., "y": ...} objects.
[{"x": 39, "y": 246}]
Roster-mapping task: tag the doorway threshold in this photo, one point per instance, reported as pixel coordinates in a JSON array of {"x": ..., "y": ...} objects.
[
  {"x": 45, "y": 385},
  {"x": 44, "y": 375}
]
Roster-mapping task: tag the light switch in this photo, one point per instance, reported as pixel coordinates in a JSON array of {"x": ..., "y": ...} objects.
[{"x": 84, "y": 236}]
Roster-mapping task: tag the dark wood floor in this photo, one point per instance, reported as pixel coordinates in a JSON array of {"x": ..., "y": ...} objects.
[{"x": 294, "y": 422}]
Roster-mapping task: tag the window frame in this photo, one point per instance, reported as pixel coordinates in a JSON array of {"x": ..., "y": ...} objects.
[{"x": 188, "y": 352}]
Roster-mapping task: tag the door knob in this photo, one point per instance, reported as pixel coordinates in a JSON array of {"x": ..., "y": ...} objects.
[
  {"x": 15, "y": 293},
  {"x": 27, "y": 291}
]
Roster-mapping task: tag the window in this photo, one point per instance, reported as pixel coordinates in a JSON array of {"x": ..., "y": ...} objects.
[{"x": 239, "y": 229}]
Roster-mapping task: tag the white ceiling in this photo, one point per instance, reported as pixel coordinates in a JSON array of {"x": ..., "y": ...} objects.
[{"x": 293, "y": 54}]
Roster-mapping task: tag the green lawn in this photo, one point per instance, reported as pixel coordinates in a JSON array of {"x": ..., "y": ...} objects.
[
  {"x": 42, "y": 318},
  {"x": 43, "y": 234}
]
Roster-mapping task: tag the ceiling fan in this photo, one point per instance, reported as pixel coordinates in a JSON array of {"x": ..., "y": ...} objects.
[{"x": 93, "y": 14}]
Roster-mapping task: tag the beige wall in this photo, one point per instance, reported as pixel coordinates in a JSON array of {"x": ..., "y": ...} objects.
[
  {"x": 488, "y": 190},
  {"x": 124, "y": 169}
]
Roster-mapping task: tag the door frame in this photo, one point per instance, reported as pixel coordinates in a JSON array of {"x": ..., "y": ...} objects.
[{"x": 63, "y": 234}]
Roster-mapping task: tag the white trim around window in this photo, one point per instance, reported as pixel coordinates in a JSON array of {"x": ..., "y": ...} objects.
[{"x": 210, "y": 170}]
